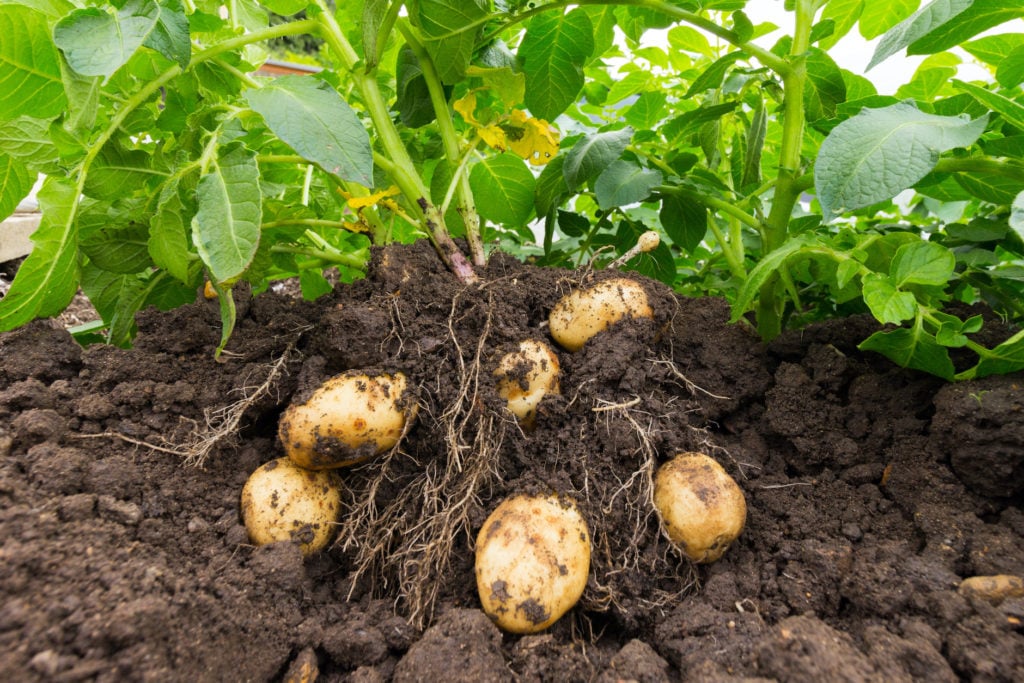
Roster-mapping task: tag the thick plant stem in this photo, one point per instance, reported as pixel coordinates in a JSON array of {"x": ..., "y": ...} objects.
[
  {"x": 787, "y": 185},
  {"x": 450, "y": 140},
  {"x": 402, "y": 168}
]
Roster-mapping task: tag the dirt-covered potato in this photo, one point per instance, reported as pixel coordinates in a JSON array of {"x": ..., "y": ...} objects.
[
  {"x": 526, "y": 376},
  {"x": 701, "y": 506},
  {"x": 282, "y": 501},
  {"x": 532, "y": 560},
  {"x": 349, "y": 418},
  {"x": 581, "y": 314}
]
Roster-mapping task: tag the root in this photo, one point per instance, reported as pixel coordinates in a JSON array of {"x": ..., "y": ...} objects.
[
  {"x": 692, "y": 387},
  {"x": 409, "y": 540},
  {"x": 642, "y": 553},
  {"x": 222, "y": 424}
]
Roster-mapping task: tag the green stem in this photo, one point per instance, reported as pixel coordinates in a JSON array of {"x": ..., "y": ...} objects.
[
  {"x": 980, "y": 165},
  {"x": 403, "y": 170},
  {"x": 735, "y": 264},
  {"x": 450, "y": 141},
  {"x": 350, "y": 260},
  {"x": 725, "y": 207},
  {"x": 311, "y": 222},
  {"x": 787, "y": 189}
]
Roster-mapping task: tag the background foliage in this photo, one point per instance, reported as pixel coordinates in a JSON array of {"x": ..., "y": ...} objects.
[{"x": 557, "y": 131}]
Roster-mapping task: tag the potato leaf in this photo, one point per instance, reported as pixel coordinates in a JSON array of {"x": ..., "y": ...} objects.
[
  {"x": 917, "y": 25},
  {"x": 450, "y": 29},
  {"x": 226, "y": 227},
  {"x": 625, "y": 182},
  {"x": 503, "y": 187},
  {"x": 593, "y": 154},
  {"x": 553, "y": 53},
  {"x": 312, "y": 119},
  {"x": 912, "y": 348},
  {"x": 881, "y": 152},
  {"x": 30, "y": 79},
  {"x": 48, "y": 278},
  {"x": 15, "y": 183}
]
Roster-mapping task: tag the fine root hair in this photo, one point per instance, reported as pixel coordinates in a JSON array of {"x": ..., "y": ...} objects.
[{"x": 406, "y": 539}]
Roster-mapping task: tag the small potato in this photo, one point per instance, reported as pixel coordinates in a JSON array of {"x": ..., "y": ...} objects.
[
  {"x": 581, "y": 314},
  {"x": 526, "y": 376},
  {"x": 532, "y": 560},
  {"x": 701, "y": 506},
  {"x": 282, "y": 502},
  {"x": 350, "y": 418}
]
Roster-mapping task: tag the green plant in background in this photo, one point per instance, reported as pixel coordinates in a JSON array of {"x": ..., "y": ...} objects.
[{"x": 559, "y": 131}]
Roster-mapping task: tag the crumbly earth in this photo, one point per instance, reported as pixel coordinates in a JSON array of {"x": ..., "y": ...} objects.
[{"x": 872, "y": 492}]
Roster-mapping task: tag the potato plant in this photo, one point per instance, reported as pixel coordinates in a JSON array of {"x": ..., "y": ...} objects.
[{"x": 558, "y": 130}]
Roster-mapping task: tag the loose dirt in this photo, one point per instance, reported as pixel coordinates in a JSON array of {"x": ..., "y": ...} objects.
[{"x": 872, "y": 493}]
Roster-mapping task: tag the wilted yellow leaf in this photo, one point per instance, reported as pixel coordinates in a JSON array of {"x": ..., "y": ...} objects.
[
  {"x": 356, "y": 203},
  {"x": 533, "y": 139},
  {"x": 466, "y": 106}
]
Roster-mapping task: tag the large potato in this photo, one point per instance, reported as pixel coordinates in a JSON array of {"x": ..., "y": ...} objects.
[
  {"x": 526, "y": 376},
  {"x": 581, "y": 314},
  {"x": 349, "y": 418},
  {"x": 701, "y": 506},
  {"x": 281, "y": 502},
  {"x": 532, "y": 560}
]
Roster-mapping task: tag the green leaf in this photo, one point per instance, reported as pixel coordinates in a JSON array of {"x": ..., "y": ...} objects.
[
  {"x": 845, "y": 14},
  {"x": 912, "y": 348},
  {"x": 118, "y": 172},
  {"x": 684, "y": 221},
  {"x": 1017, "y": 215},
  {"x": 922, "y": 263},
  {"x": 917, "y": 25},
  {"x": 625, "y": 182},
  {"x": 711, "y": 78},
  {"x": 687, "y": 39},
  {"x": 1006, "y": 358},
  {"x": 226, "y": 227},
  {"x": 754, "y": 146},
  {"x": 30, "y": 79},
  {"x": 504, "y": 81},
  {"x": 991, "y": 187},
  {"x": 765, "y": 269},
  {"x": 573, "y": 224},
  {"x": 168, "y": 235},
  {"x": 413, "y": 104},
  {"x": 825, "y": 87},
  {"x": 646, "y": 112},
  {"x": 446, "y": 36},
  {"x": 503, "y": 188},
  {"x": 980, "y": 16},
  {"x": 551, "y": 186},
  {"x": 994, "y": 49},
  {"x": 15, "y": 184},
  {"x": 593, "y": 154},
  {"x": 880, "y": 152},
  {"x": 1010, "y": 72},
  {"x": 27, "y": 138},
  {"x": 286, "y": 8},
  {"x": 48, "y": 278},
  {"x": 887, "y": 303},
  {"x": 97, "y": 43},
  {"x": 879, "y": 17},
  {"x": 553, "y": 52},
  {"x": 310, "y": 116},
  {"x": 118, "y": 249},
  {"x": 1010, "y": 110}
]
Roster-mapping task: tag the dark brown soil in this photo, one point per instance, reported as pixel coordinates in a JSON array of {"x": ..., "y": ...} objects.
[{"x": 872, "y": 492}]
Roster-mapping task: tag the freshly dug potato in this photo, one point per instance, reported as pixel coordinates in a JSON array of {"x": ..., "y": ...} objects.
[
  {"x": 282, "y": 501},
  {"x": 581, "y": 314},
  {"x": 349, "y": 418},
  {"x": 701, "y": 506},
  {"x": 526, "y": 376},
  {"x": 994, "y": 589},
  {"x": 532, "y": 560}
]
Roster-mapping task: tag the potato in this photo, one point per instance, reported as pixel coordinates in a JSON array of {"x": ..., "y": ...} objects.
[
  {"x": 532, "y": 560},
  {"x": 349, "y": 418},
  {"x": 282, "y": 501},
  {"x": 526, "y": 376},
  {"x": 701, "y": 506},
  {"x": 581, "y": 314}
]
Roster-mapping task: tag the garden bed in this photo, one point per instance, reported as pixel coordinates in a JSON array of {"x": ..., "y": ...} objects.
[{"x": 872, "y": 493}]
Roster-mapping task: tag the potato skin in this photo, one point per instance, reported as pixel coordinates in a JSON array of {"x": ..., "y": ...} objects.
[
  {"x": 349, "y": 418},
  {"x": 526, "y": 376},
  {"x": 282, "y": 501},
  {"x": 701, "y": 506},
  {"x": 583, "y": 313},
  {"x": 532, "y": 561}
]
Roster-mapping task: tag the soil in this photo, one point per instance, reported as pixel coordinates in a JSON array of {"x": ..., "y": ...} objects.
[{"x": 872, "y": 492}]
